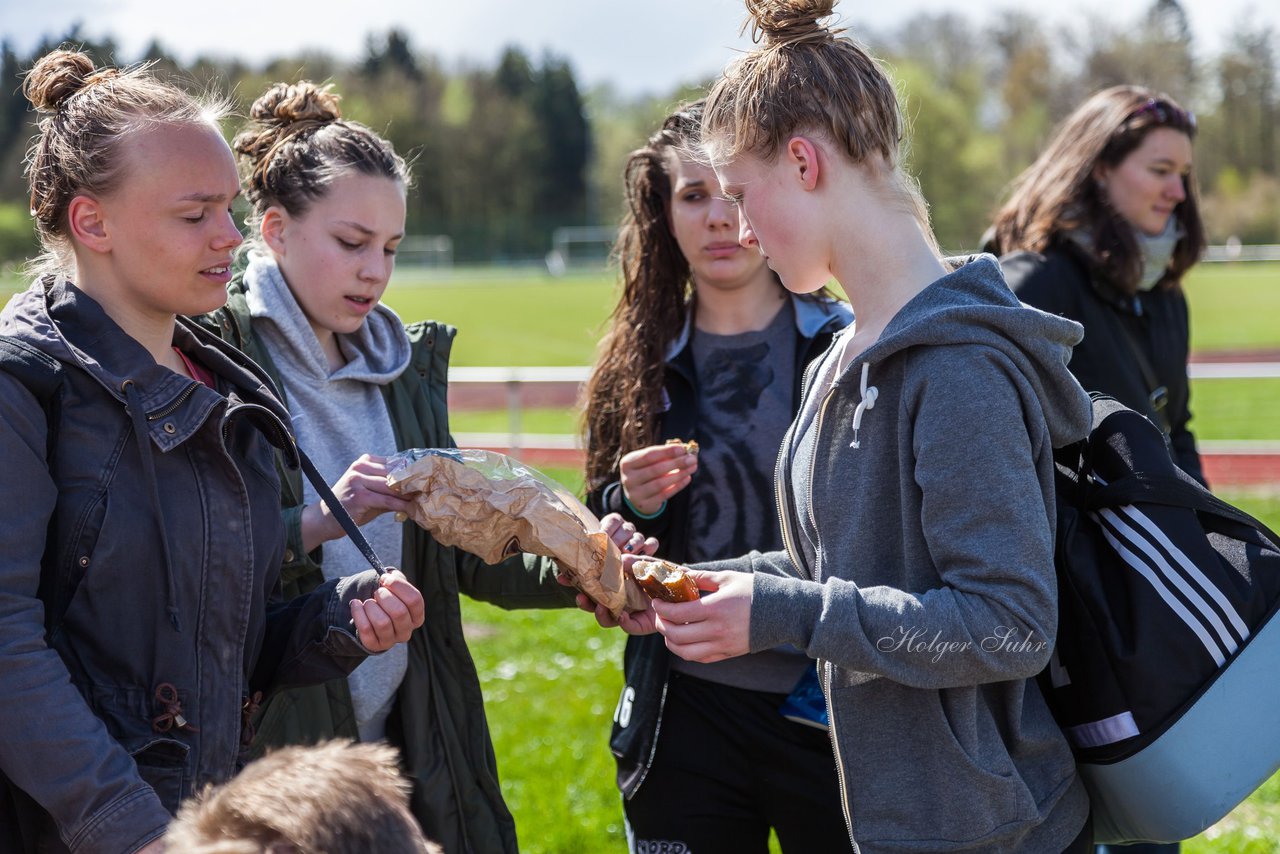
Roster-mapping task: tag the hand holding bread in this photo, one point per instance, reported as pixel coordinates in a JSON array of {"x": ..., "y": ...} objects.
[{"x": 653, "y": 474}]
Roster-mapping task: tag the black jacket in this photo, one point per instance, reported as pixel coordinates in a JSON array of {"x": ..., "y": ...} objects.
[
  {"x": 646, "y": 660},
  {"x": 1061, "y": 282},
  {"x": 140, "y": 556}
]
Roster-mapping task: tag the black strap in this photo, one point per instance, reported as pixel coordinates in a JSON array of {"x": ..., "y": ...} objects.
[
  {"x": 1142, "y": 488},
  {"x": 1157, "y": 393},
  {"x": 340, "y": 513}
]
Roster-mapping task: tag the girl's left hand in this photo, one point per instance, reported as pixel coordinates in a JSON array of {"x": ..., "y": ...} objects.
[
  {"x": 626, "y": 537},
  {"x": 390, "y": 617},
  {"x": 715, "y": 627}
]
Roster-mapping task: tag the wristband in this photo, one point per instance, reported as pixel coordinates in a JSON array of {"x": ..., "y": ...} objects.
[{"x": 654, "y": 515}]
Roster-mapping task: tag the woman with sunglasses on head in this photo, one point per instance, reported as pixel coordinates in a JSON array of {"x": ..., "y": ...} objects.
[
  {"x": 1101, "y": 229},
  {"x": 705, "y": 344},
  {"x": 140, "y": 606}
]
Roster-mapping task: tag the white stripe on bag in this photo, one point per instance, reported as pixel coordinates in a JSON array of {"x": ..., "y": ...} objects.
[
  {"x": 1212, "y": 590},
  {"x": 1155, "y": 558},
  {"x": 1147, "y": 572},
  {"x": 1106, "y": 731}
]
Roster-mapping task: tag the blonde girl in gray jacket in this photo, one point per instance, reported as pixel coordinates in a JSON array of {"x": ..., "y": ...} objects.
[{"x": 915, "y": 487}]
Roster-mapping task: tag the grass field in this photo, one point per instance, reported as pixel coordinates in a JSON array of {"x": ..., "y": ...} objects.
[
  {"x": 544, "y": 321},
  {"x": 551, "y": 679},
  {"x": 527, "y": 318}
]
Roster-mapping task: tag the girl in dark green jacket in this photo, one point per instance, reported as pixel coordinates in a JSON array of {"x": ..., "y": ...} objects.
[{"x": 328, "y": 200}]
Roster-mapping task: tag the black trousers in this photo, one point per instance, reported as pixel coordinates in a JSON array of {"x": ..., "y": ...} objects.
[{"x": 729, "y": 767}]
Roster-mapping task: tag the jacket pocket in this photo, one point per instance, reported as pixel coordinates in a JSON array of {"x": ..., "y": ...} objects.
[
  {"x": 75, "y": 560},
  {"x": 928, "y": 767},
  {"x": 162, "y": 764},
  {"x": 163, "y": 760}
]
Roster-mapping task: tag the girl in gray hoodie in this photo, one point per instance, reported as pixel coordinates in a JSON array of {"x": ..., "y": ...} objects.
[{"x": 915, "y": 487}]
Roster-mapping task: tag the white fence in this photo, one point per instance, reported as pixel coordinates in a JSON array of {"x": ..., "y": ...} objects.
[{"x": 510, "y": 388}]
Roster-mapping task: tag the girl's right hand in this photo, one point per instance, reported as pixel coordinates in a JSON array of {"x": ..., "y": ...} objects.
[
  {"x": 652, "y": 475},
  {"x": 364, "y": 493}
]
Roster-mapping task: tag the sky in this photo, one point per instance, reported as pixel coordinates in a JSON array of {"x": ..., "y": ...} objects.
[{"x": 638, "y": 46}]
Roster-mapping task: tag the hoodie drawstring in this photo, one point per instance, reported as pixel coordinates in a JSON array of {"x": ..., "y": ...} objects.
[
  {"x": 868, "y": 401},
  {"x": 143, "y": 437}
]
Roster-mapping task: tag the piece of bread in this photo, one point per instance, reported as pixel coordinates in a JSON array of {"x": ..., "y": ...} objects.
[
  {"x": 661, "y": 579},
  {"x": 690, "y": 447}
]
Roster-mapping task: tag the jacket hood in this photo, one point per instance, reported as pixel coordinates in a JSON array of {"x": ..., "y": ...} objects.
[
  {"x": 377, "y": 352},
  {"x": 973, "y": 305}
]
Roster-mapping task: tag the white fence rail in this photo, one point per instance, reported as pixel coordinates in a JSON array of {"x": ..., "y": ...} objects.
[{"x": 516, "y": 388}]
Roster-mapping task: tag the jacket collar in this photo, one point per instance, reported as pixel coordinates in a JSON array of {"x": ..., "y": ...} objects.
[
  {"x": 71, "y": 326},
  {"x": 813, "y": 317}
]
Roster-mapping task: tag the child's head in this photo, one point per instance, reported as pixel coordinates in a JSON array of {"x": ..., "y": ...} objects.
[
  {"x": 131, "y": 184},
  {"x": 297, "y": 143},
  {"x": 328, "y": 199},
  {"x": 337, "y": 797},
  {"x": 806, "y": 79},
  {"x": 677, "y": 230},
  {"x": 811, "y": 94},
  {"x": 647, "y": 249}
]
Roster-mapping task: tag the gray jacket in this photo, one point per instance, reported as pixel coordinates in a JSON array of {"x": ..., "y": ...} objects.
[
  {"x": 927, "y": 590},
  {"x": 139, "y": 573}
]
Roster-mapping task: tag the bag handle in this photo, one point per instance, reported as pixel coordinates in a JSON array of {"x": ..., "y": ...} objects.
[
  {"x": 1170, "y": 491},
  {"x": 340, "y": 513}
]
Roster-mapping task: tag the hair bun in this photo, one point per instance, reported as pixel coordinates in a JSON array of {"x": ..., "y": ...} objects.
[
  {"x": 790, "y": 22},
  {"x": 57, "y": 76},
  {"x": 290, "y": 103},
  {"x": 282, "y": 112}
]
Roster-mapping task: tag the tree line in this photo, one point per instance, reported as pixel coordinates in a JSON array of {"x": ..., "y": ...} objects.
[{"x": 503, "y": 155}]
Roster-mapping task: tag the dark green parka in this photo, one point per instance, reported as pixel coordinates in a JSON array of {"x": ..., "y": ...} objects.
[{"x": 438, "y": 721}]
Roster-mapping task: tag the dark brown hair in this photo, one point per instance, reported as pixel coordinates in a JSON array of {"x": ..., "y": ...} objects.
[
  {"x": 624, "y": 392},
  {"x": 1059, "y": 192},
  {"x": 296, "y": 142},
  {"x": 89, "y": 114}
]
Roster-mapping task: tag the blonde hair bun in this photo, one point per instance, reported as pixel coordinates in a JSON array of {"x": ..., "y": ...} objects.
[{"x": 289, "y": 103}]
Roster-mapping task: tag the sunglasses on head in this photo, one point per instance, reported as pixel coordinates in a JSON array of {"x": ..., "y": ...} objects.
[{"x": 1164, "y": 114}]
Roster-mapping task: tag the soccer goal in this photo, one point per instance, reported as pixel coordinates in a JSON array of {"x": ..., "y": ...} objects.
[
  {"x": 426, "y": 250},
  {"x": 580, "y": 246}
]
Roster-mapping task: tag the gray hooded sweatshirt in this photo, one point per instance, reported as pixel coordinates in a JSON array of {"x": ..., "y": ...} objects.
[
  {"x": 917, "y": 503},
  {"x": 337, "y": 416}
]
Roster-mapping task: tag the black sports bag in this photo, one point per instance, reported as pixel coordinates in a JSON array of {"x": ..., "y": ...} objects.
[{"x": 1164, "y": 671}]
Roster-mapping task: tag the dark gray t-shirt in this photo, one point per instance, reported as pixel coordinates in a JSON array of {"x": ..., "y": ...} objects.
[{"x": 745, "y": 396}]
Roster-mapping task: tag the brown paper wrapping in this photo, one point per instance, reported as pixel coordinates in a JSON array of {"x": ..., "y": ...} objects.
[{"x": 494, "y": 506}]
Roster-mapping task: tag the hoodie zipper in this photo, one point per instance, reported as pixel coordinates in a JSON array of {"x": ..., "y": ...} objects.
[
  {"x": 826, "y": 668},
  {"x": 835, "y": 747},
  {"x": 788, "y": 540}
]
